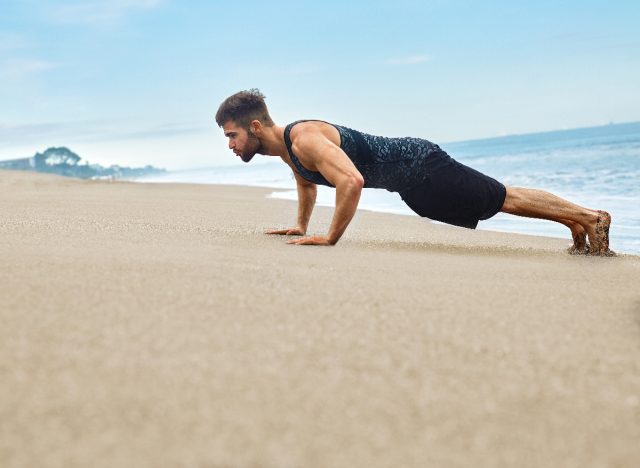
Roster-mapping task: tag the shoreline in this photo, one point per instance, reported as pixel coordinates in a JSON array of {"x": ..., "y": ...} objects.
[
  {"x": 156, "y": 325},
  {"x": 274, "y": 189}
]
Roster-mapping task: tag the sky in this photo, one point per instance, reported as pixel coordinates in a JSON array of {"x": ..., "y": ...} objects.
[{"x": 137, "y": 82}]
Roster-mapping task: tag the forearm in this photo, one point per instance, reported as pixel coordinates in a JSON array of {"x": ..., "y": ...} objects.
[
  {"x": 347, "y": 199},
  {"x": 306, "y": 202}
]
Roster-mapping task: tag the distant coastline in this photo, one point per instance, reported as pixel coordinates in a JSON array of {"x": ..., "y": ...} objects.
[{"x": 62, "y": 161}]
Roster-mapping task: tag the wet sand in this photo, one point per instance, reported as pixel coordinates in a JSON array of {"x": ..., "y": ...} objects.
[{"x": 155, "y": 325}]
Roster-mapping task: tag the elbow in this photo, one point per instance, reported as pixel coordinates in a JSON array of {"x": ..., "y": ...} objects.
[{"x": 351, "y": 184}]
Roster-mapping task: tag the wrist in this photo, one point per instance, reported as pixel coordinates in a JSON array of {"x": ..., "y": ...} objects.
[{"x": 332, "y": 240}]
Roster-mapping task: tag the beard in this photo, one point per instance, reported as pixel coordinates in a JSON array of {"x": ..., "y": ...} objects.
[{"x": 254, "y": 146}]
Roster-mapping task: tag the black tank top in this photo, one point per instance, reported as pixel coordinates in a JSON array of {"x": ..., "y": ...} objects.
[{"x": 395, "y": 164}]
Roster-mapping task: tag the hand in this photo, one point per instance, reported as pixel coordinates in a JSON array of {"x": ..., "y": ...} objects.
[
  {"x": 296, "y": 231},
  {"x": 313, "y": 240}
]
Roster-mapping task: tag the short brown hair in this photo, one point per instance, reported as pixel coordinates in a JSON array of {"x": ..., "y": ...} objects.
[{"x": 244, "y": 107}]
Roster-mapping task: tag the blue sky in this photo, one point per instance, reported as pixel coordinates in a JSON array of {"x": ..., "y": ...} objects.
[{"x": 138, "y": 81}]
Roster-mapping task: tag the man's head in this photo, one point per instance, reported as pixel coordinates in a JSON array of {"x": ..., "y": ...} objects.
[{"x": 239, "y": 116}]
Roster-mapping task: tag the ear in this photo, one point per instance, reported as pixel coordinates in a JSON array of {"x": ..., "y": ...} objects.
[{"x": 255, "y": 126}]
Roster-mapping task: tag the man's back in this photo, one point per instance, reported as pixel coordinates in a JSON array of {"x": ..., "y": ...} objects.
[{"x": 394, "y": 164}]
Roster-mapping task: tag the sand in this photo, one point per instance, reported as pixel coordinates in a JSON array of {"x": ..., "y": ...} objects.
[{"x": 155, "y": 325}]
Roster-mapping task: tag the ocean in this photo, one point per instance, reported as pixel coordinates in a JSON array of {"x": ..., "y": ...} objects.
[{"x": 597, "y": 167}]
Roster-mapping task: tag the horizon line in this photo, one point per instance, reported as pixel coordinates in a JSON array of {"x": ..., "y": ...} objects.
[{"x": 542, "y": 132}]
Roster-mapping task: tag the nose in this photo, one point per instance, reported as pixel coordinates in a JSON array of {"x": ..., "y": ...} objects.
[{"x": 231, "y": 144}]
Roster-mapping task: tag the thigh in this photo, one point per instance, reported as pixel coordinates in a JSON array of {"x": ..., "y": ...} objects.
[{"x": 456, "y": 194}]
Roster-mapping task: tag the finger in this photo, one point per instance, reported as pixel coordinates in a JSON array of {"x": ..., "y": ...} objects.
[
  {"x": 302, "y": 241},
  {"x": 306, "y": 241}
]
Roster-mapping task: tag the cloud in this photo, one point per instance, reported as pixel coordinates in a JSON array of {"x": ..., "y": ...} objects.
[
  {"x": 93, "y": 131},
  {"x": 98, "y": 11},
  {"x": 623, "y": 45},
  {"x": 162, "y": 131},
  {"x": 409, "y": 60},
  {"x": 21, "y": 68}
]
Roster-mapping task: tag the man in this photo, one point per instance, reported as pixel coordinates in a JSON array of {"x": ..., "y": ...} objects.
[{"x": 428, "y": 180}]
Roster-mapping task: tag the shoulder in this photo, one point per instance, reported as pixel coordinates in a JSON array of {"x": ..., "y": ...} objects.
[
  {"x": 304, "y": 129},
  {"x": 311, "y": 135}
]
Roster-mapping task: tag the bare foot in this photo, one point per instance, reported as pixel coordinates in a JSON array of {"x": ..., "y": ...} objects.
[
  {"x": 600, "y": 239},
  {"x": 580, "y": 246}
]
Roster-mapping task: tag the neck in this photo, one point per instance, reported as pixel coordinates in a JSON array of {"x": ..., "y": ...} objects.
[{"x": 272, "y": 140}]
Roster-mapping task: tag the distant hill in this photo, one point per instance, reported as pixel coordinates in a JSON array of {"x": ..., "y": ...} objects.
[{"x": 63, "y": 161}]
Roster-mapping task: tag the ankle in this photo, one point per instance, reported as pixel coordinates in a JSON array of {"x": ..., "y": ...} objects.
[{"x": 592, "y": 217}]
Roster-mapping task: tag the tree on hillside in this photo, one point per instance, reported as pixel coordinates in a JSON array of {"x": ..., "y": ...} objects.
[{"x": 56, "y": 157}]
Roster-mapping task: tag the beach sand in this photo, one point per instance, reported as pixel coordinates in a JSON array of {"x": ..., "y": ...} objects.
[{"x": 148, "y": 325}]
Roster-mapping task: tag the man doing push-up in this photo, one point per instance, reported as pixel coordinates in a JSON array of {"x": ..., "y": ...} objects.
[{"x": 429, "y": 181}]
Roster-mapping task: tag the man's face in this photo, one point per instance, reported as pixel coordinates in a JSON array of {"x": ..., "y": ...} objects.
[{"x": 243, "y": 143}]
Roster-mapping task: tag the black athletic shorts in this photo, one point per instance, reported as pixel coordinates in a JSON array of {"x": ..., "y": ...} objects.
[{"x": 455, "y": 194}]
